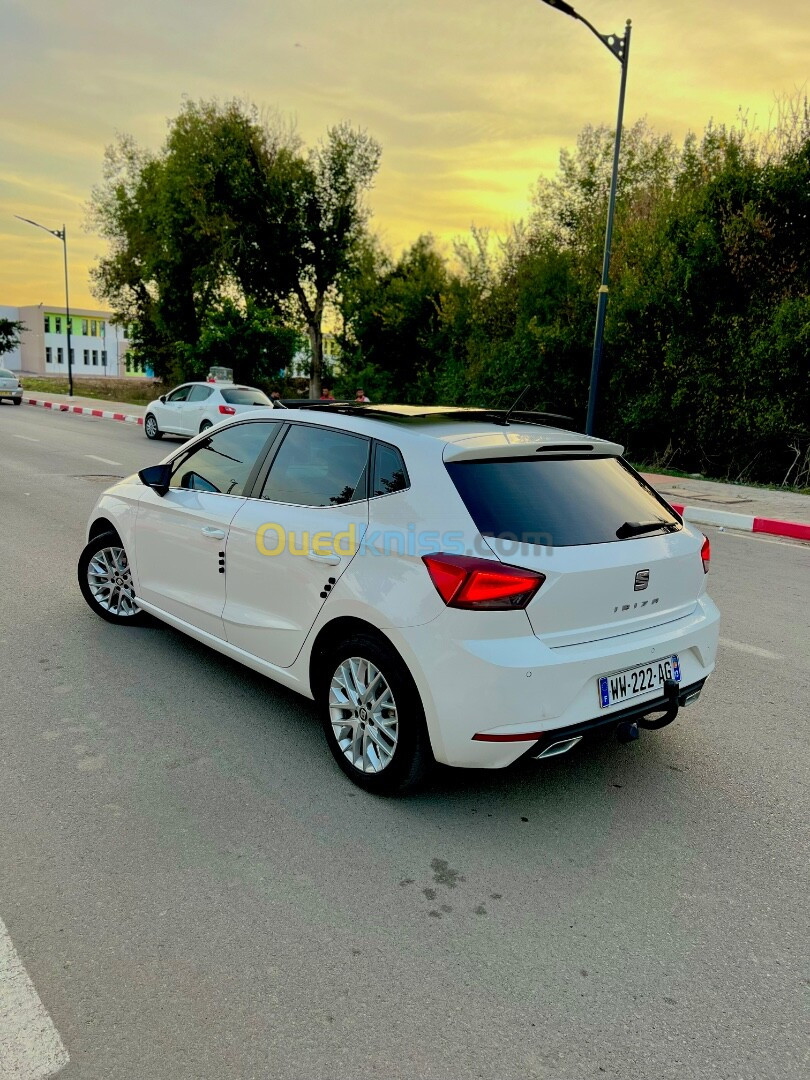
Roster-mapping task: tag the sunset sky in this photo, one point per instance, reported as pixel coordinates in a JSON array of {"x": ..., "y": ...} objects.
[{"x": 471, "y": 99}]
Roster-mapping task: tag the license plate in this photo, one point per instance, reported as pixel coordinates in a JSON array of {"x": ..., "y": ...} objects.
[
  {"x": 630, "y": 683},
  {"x": 6, "y": 393}
]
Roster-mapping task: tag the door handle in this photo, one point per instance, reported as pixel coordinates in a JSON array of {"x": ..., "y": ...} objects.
[
  {"x": 211, "y": 533},
  {"x": 332, "y": 560}
]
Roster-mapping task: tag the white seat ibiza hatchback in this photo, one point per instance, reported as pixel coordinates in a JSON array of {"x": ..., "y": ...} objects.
[{"x": 460, "y": 586}]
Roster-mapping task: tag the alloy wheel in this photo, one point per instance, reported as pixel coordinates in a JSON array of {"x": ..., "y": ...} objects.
[
  {"x": 363, "y": 715},
  {"x": 110, "y": 582},
  {"x": 150, "y": 424}
]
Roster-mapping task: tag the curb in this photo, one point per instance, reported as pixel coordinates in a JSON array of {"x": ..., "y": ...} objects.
[
  {"x": 702, "y": 515},
  {"x": 60, "y": 406}
]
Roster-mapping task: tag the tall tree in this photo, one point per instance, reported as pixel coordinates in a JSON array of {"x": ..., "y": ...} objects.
[{"x": 10, "y": 332}]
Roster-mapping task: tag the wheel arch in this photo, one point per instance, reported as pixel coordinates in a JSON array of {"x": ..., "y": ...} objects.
[{"x": 99, "y": 526}]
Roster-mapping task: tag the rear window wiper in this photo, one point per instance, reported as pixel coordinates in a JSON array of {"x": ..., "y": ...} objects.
[{"x": 638, "y": 528}]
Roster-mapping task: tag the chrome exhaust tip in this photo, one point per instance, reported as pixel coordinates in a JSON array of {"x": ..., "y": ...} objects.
[{"x": 561, "y": 747}]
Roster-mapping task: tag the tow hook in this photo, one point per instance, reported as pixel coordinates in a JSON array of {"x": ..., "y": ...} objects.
[{"x": 669, "y": 711}]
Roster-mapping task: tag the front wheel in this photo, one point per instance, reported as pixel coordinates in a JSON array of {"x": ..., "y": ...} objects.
[
  {"x": 106, "y": 581},
  {"x": 373, "y": 717},
  {"x": 150, "y": 427},
  {"x": 17, "y": 401}
]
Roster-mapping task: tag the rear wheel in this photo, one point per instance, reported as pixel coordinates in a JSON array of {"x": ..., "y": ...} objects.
[
  {"x": 205, "y": 425},
  {"x": 150, "y": 427},
  {"x": 106, "y": 581},
  {"x": 373, "y": 717}
]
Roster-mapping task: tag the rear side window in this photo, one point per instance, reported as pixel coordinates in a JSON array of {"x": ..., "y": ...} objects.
[
  {"x": 556, "y": 502},
  {"x": 200, "y": 393},
  {"x": 318, "y": 467},
  {"x": 389, "y": 471},
  {"x": 243, "y": 395}
]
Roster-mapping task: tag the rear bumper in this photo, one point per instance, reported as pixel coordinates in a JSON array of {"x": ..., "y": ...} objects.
[{"x": 491, "y": 699}]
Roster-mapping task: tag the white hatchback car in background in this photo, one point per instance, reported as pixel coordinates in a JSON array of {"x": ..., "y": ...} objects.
[
  {"x": 196, "y": 406},
  {"x": 463, "y": 586},
  {"x": 10, "y": 387}
]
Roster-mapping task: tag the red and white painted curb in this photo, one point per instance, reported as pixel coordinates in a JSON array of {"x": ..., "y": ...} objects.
[
  {"x": 62, "y": 406},
  {"x": 703, "y": 515}
]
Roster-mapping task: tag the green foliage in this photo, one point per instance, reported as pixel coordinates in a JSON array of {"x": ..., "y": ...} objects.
[
  {"x": 231, "y": 236},
  {"x": 10, "y": 332},
  {"x": 707, "y": 345}
]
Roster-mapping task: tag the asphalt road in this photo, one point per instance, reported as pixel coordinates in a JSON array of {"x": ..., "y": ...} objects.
[{"x": 197, "y": 892}]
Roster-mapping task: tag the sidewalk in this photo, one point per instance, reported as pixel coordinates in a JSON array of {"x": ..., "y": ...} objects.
[
  {"x": 704, "y": 502},
  {"x": 735, "y": 506}
]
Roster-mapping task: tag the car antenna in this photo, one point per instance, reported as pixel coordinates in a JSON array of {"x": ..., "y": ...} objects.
[{"x": 515, "y": 404}]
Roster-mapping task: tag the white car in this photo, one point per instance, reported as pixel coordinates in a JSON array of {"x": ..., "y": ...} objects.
[
  {"x": 449, "y": 585},
  {"x": 196, "y": 406},
  {"x": 10, "y": 387}
]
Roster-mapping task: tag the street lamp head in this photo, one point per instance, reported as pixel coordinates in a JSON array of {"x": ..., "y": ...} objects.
[{"x": 560, "y": 5}]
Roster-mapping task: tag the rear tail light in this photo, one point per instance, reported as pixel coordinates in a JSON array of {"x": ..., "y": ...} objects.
[
  {"x": 227, "y": 410},
  {"x": 481, "y": 584},
  {"x": 706, "y": 554}
]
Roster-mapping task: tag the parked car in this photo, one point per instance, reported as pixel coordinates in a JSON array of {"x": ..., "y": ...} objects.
[
  {"x": 10, "y": 387},
  {"x": 196, "y": 406},
  {"x": 449, "y": 585}
]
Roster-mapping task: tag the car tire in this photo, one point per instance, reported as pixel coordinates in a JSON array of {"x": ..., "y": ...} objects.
[
  {"x": 150, "y": 427},
  {"x": 205, "y": 425},
  {"x": 381, "y": 743},
  {"x": 17, "y": 400},
  {"x": 106, "y": 582}
]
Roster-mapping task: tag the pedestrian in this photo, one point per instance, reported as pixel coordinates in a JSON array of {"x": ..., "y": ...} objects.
[
  {"x": 275, "y": 398},
  {"x": 326, "y": 394},
  {"x": 360, "y": 398}
]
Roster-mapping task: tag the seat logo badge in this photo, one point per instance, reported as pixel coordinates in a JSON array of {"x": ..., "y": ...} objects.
[{"x": 642, "y": 580}]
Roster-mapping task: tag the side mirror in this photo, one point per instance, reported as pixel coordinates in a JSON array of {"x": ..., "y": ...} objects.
[
  {"x": 157, "y": 477},
  {"x": 162, "y": 398}
]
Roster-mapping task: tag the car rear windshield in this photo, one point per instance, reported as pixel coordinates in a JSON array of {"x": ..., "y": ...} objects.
[
  {"x": 557, "y": 502},
  {"x": 7, "y": 374},
  {"x": 243, "y": 395}
]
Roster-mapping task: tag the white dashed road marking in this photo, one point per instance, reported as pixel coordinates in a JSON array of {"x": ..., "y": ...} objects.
[
  {"x": 106, "y": 460},
  {"x": 30, "y": 1047},
  {"x": 26, "y": 437},
  {"x": 742, "y": 647}
]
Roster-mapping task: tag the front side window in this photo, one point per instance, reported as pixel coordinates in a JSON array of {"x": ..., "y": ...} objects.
[
  {"x": 200, "y": 393},
  {"x": 180, "y": 394},
  {"x": 318, "y": 467},
  {"x": 389, "y": 471},
  {"x": 223, "y": 462}
]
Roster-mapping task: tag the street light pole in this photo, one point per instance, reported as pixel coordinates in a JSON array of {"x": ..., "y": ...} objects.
[
  {"x": 60, "y": 235},
  {"x": 620, "y": 47}
]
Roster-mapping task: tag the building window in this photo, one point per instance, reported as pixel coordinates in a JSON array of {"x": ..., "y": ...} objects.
[
  {"x": 104, "y": 357},
  {"x": 47, "y": 324},
  {"x": 60, "y": 356},
  {"x": 48, "y": 355},
  {"x": 86, "y": 356},
  {"x": 84, "y": 327},
  {"x": 72, "y": 355},
  {"x": 58, "y": 320},
  {"x": 94, "y": 328},
  {"x": 95, "y": 357}
]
